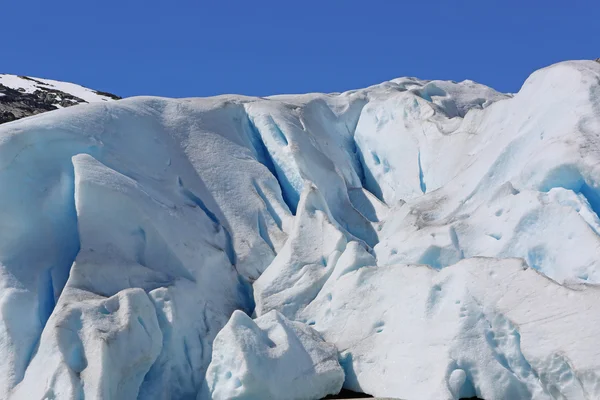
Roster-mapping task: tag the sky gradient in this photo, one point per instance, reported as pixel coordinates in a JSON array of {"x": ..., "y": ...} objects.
[{"x": 184, "y": 48}]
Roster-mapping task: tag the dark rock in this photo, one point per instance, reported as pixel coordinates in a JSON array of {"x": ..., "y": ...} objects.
[
  {"x": 348, "y": 394},
  {"x": 112, "y": 96},
  {"x": 7, "y": 116},
  {"x": 15, "y": 104}
]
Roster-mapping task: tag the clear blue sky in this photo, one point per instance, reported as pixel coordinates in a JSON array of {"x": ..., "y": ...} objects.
[{"x": 198, "y": 48}]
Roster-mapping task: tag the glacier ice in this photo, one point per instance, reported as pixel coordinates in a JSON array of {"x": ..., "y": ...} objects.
[
  {"x": 486, "y": 327},
  {"x": 436, "y": 239},
  {"x": 270, "y": 358}
]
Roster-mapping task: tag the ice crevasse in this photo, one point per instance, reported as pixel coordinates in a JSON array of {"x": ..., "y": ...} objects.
[{"x": 414, "y": 239}]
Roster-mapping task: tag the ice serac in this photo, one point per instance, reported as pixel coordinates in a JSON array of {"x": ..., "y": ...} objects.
[
  {"x": 440, "y": 237},
  {"x": 99, "y": 348},
  {"x": 271, "y": 358},
  {"x": 307, "y": 260}
]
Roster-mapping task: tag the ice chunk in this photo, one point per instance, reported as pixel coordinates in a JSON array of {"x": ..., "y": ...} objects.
[
  {"x": 95, "y": 348},
  {"x": 271, "y": 358}
]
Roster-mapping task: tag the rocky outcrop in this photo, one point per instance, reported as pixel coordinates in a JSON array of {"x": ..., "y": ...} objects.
[{"x": 16, "y": 103}]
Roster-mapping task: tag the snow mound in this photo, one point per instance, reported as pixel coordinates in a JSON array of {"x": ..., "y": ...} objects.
[
  {"x": 440, "y": 237},
  {"x": 272, "y": 358}
]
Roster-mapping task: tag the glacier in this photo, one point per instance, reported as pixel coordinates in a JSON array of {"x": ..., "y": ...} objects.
[{"x": 414, "y": 239}]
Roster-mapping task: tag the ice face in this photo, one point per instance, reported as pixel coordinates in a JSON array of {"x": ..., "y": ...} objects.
[{"x": 442, "y": 238}]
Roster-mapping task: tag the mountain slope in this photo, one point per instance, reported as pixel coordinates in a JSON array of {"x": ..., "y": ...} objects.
[
  {"x": 442, "y": 236},
  {"x": 22, "y": 96}
]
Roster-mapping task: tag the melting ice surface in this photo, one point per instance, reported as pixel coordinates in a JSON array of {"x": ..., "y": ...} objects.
[{"x": 415, "y": 239}]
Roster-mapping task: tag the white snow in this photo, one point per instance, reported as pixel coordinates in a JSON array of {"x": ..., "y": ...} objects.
[
  {"x": 31, "y": 84},
  {"x": 439, "y": 239}
]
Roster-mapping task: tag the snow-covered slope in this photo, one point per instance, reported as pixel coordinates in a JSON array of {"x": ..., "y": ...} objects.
[
  {"x": 22, "y": 96},
  {"x": 442, "y": 237}
]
